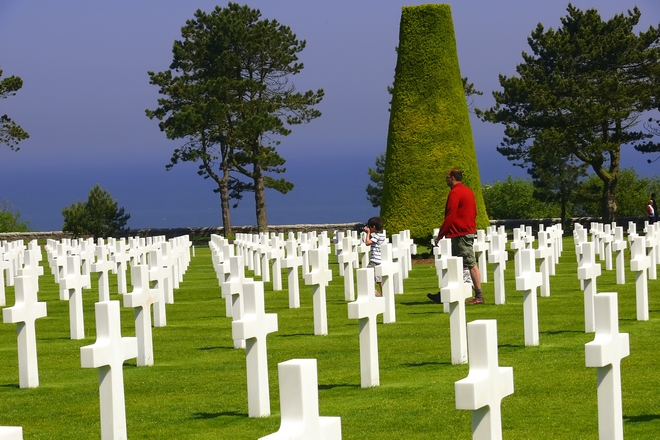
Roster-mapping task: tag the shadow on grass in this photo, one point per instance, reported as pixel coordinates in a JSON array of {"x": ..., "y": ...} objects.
[
  {"x": 295, "y": 335},
  {"x": 338, "y": 385},
  {"x": 206, "y": 416},
  {"x": 558, "y": 332},
  {"x": 425, "y": 364},
  {"x": 220, "y": 347},
  {"x": 9, "y": 385},
  {"x": 641, "y": 418},
  {"x": 417, "y": 303}
]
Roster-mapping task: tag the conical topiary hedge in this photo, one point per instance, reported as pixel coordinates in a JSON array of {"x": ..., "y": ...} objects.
[{"x": 429, "y": 131}]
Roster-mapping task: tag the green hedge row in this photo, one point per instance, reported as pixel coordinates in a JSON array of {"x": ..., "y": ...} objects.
[{"x": 429, "y": 131}]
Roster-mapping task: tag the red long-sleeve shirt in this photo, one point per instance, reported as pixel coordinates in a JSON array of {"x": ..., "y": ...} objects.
[{"x": 460, "y": 213}]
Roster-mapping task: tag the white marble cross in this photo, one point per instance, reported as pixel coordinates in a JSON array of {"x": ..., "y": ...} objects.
[
  {"x": 487, "y": 383},
  {"x": 233, "y": 289},
  {"x": 498, "y": 256},
  {"x": 618, "y": 246},
  {"x": 319, "y": 277},
  {"x": 454, "y": 293},
  {"x": 442, "y": 252},
  {"x": 605, "y": 353},
  {"x": 639, "y": 263},
  {"x": 14, "y": 433},
  {"x": 480, "y": 247},
  {"x": 387, "y": 269},
  {"x": 71, "y": 289},
  {"x": 528, "y": 281},
  {"x": 120, "y": 258},
  {"x": 24, "y": 313},
  {"x": 517, "y": 244},
  {"x": 607, "y": 238},
  {"x": 103, "y": 266},
  {"x": 141, "y": 299},
  {"x": 299, "y": 404},
  {"x": 588, "y": 271},
  {"x": 159, "y": 276},
  {"x": 253, "y": 327},
  {"x": 291, "y": 263},
  {"x": 651, "y": 246},
  {"x": 348, "y": 259},
  {"x": 545, "y": 253},
  {"x": 108, "y": 354},
  {"x": 366, "y": 308},
  {"x": 276, "y": 253}
]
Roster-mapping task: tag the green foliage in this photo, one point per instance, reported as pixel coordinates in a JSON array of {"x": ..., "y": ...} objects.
[
  {"x": 632, "y": 195},
  {"x": 10, "y": 218},
  {"x": 375, "y": 191},
  {"x": 10, "y": 132},
  {"x": 429, "y": 130},
  {"x": 100, "y": 216},
  {"x": 229, "y": 93},
  {"x": 514, "y": 199},
  {"x": 581, "y": 91},
  {"x": 197, "y": 386}
]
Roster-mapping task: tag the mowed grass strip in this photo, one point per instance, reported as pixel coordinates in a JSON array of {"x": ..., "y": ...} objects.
[{"x": 197, "y": 387}]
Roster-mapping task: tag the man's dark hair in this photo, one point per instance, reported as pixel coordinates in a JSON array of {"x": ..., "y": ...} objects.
[
  {"x": 376, "y": 222},
  {"x": 456, "y": 174}
]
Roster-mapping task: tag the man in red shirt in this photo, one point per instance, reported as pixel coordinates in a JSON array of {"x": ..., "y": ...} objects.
[{"x": 460, "y": 225}]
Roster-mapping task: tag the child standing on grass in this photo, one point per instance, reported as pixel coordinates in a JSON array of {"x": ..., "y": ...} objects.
[{"x": 374, "y": 238}]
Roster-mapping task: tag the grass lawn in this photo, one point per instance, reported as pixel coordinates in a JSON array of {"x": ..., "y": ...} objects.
[{"x": 197, "y": 387}]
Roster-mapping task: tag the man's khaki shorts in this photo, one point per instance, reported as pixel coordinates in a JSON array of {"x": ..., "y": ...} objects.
[{"x": 463, "y": 247}]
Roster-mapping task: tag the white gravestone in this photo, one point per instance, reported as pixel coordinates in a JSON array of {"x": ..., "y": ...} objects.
[
  {"x": 528, "y": 281},
  {"x": 546, "y": 254},
  {"x": 141, "y": 299},
  {"x": 366, "y": 308},
  {"x": 650, "y": 251},
  {"x": 588, "y": 271},
  {"x": 103, "y": 266},
  {"x": 386, "y": 269},
  {"x": 13, "y": 433},
  {"x": 108, "y": 354},
  {"x": 299, "y": 404},
  {"x": 304, "y": 247},
  {"x": 233, "y": 288},
  {"x": 639, "y": 263},
  {"x": 71, "y": 289},
  {"x": 605, "y": 353},
  {"x": 319, "y": 277},
  {"x": 253, "y": 327},
  {"x": 618, "y": 246},
  {"x": 517, "y": 244},
  {"x": 120, "y": 259},
  {"x": 24, "y": 313},
  {"x": 442, "y": 252},
  {"x": 276, "y": 253},
  {"x": 454, "y": 294},
  {"x": 487, "y": 383},
  {"x": 498, "y": 256},
  {"x": 291, "y": 263},
  {"x": 158, "y": 275},
  {"x": 607, "y": 238},
  {"x": 348, "y": 259},
  {"x": 480, "y": 247}
]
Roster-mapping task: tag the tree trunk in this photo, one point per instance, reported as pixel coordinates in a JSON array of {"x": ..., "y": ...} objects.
[
  {"x": 224, "y": 205},
  {"x": 260, "y": 198}
]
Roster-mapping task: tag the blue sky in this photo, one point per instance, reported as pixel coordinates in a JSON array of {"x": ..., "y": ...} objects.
[{"x": 84, "y": 66}]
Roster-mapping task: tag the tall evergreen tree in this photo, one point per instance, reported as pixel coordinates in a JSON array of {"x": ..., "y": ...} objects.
[
  {"x": 10, "y": 132},
  {"x": 429, "y": 130},
  {"x": 228, "y": 92},
  {"x": 583, "y": 87}
]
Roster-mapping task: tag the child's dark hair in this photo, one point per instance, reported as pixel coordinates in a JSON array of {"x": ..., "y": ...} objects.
[{"x": 376, "y": 222}]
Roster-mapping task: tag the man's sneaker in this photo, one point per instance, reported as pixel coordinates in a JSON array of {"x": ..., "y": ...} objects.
[
  {"x": 475, "y": 300},
  {"x": 435, "y": 297}
]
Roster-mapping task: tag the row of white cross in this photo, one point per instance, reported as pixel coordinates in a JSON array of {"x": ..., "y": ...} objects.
[{"x": 150, "y": 275}]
